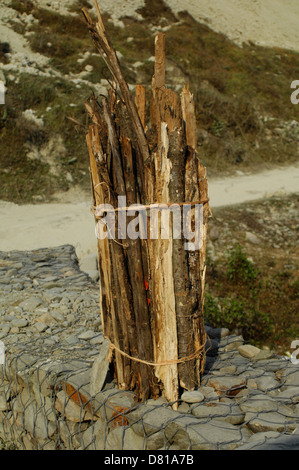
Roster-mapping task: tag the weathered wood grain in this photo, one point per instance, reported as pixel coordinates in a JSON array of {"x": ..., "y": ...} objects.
[{"x": 151, "y": 289}]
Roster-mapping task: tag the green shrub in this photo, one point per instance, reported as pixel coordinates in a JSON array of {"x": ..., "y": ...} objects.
[
  {"x": 24, "y": 6},
  {"x": 240, "y": 269},
  {"x": 233, "y": 313},
  {"x": 238, "y": 305}
]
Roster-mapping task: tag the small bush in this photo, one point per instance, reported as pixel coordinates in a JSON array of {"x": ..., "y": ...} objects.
[
  {"x": 240, "y": 270},
  {"x": 24, "y": 6},
  {"x": 233, "y": 313},
  {"x": 238, "y": 304},
  {"x": 4, "y": 49}
]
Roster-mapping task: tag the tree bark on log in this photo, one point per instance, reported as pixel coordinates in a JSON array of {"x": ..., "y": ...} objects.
[{"x": 151, "y": 287}]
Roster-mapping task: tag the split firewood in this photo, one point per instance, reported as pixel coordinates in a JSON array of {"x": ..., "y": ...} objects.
[{"x": 151, "y": 287}]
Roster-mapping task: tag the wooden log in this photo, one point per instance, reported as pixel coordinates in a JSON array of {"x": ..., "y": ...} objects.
[
  {"x": 159, "y": 76},
  {"x": 195, "y": 189},
  {"x": 151, "y": 288},
  {"x": 140, "y": 101}
]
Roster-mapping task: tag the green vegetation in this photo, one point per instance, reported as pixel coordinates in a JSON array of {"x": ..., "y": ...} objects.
[
  {"x": 22, "y": 6},
  {"x": 23, "y": 178},
  {"x": 240, "y": 270},
  {"x": 239, "y": 309},
  {"x": 4, "y": 49},
  {"x": 251, "y": 301}
]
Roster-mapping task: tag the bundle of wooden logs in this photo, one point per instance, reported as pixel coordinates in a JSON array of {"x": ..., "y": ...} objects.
[{"x": 151, "y": 290}]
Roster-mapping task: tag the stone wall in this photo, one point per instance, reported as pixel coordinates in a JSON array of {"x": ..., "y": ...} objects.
[{"x": 57, "y": 392}]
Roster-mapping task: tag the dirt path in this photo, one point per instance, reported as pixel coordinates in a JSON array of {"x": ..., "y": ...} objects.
[
  {"x": 70, "y": 220},
  {"x": 239, "y": 189}
]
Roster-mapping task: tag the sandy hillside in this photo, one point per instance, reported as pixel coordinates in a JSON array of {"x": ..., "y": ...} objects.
[{"x": 273, "y": 23}]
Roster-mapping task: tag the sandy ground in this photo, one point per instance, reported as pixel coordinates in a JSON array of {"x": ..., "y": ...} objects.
[
  {"x": 70, "y": 220},
  {"x": 273, "y": 23},
  {"x": 30, "y": 227}
]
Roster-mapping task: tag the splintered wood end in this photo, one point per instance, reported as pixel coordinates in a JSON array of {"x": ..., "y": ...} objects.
[{"x": 159, "y": 79}]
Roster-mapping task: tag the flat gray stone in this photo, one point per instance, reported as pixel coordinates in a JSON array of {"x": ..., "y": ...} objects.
[
  {"x": 71, "y": 410},
  {"x": 259, "y": 403},
  {"x": 263, "y": 355},
  {"x": 156, "y": 441},
  {"x": 71, "y": 340},
  {"x": 100, "y": 369},
  {"x": 19, "y": 323},
  {"x": 31, "y": 303},
  {"x": 277, "y": 442},
  {"x": 57, "y": 316},
  {"x": 248, "y": 351},
  {"x": 194, "y": 396},
  {"x": 188, "y": 432},
  {"x": 36, "y": 423},
  {"x": 113, "y": 403},
  {"x": 41, "y": 327},
  {"x": 267, "y": 382},
  {"x": 149, "y": 419},
  {"x": 291, "y": 377},
  {"x": 228, "y": 412},
  {"x": 123, "y": 438},
  {"x": 270, "y": 421},
  {"x": 87, "y": 335},
  {"x": 227, "y": 385},
  {"x": 252, "y": 238},
  {"x": 94, "y": 437},
  {"x": 259, "y": 438},
  {"x": 209, "y": 392},
  {"x": 290, "y": 395},
  {"x": 183, "y": 408}
]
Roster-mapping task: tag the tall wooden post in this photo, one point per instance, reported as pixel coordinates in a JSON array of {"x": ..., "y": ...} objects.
[{"x": 151, "y": 289}]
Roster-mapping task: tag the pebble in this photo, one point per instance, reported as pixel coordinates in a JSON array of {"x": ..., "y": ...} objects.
[
  {"x": 19, "y": 322},
  {"x": 31, "y": 303},
  {"x": 252, "y": 238},
  {"x": 89, "y": 334},
  {"x": 192, "y": 397},
  {"x": 41, "y": 327},
  {"x": 248, "y": 351}
]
